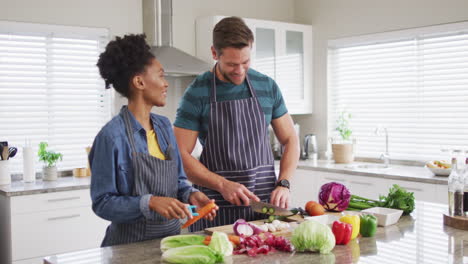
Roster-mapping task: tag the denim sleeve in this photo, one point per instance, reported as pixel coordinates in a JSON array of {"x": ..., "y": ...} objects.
[{"x": 108, "y": 202}]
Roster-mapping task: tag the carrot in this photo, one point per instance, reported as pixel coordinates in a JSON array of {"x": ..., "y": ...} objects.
[
  {"x": 234, "y": 239},
  {"x": 206, "y": 242},
  {"x": 208, "y": 238},
  {"x": 202, "y": 212}
]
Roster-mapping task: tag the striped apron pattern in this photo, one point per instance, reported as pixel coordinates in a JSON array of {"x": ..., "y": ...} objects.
[
  {"x": 152, "y": 176},
  {"x": 237, "y": 148}
]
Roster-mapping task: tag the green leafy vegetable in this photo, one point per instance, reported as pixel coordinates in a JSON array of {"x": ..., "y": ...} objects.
[
  {"x": 192, "y": 255},
  {"x": 180, "y": 241},
  {"x": 397, "y": 198},
  {"x": 313, "y": 236},
  {"x": 221, "y": 244}
]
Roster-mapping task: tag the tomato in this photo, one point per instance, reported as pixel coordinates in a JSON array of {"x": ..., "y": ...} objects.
[{"x": 314, "y": 208}]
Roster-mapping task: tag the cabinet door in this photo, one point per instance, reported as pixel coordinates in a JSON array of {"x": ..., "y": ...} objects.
[
  {"x": 56, "y": 231},
  {"x": 303, "y": 188},
  {"x": 265, "y": 47}
]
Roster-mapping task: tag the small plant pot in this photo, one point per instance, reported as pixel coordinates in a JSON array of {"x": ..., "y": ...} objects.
[
  {"x": 49, "y": 173},
  {"x": 343, "y": 153}
]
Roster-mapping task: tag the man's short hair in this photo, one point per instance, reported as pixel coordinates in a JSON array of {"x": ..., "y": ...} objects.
[{"x": 231, "y": 32}]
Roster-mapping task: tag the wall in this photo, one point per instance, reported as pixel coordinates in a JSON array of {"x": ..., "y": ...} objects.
[
  {"x": 119, "y": 16},
  {"x": 333, "y": 19}
]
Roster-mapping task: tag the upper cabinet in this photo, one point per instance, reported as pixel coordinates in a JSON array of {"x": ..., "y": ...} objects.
[{"x": 281, "y": 50}]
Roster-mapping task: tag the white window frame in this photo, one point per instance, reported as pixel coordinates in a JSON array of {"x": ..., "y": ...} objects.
[
  {"x": 101, "y": 35},
  {"x": 380, "y": 38}
]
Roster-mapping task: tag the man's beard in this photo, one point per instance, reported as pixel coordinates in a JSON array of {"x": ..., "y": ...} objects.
[{"x": 225, "y": 76}]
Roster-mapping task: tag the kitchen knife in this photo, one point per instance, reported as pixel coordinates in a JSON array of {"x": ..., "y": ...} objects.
[{"x": 261, "y": 207}]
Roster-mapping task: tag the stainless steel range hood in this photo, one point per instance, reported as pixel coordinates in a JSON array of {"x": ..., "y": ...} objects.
[{"x": 157, "y": 25}]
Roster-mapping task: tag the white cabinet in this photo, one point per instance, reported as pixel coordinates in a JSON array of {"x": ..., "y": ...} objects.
[
  {"x": 45, "y": 224},
  {"x": 422, "y": 191},
  {"x": 369, "y": 187},
  {"x": 303, "y": 188},
  {"x": 281, "y": 50}
]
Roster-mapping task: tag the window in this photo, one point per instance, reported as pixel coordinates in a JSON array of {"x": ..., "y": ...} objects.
[
  {"x": 50, "y": 89},
  {"x": 413, "y": 82}
]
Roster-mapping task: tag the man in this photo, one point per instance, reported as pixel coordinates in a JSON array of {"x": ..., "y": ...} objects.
[{"x": 229, "y": 110}]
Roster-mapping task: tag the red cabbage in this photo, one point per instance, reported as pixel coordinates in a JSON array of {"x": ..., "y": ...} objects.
[{"x": 334, "y": 196}]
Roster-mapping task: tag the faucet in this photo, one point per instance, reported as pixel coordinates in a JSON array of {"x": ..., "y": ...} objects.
[{"x": 384, "y": 156}]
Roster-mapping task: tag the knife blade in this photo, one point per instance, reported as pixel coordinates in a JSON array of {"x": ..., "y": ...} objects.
[{"x": 261, "y": 207}]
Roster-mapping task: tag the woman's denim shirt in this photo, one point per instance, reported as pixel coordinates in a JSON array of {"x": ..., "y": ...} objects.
[{"x": 111, "y": 166}]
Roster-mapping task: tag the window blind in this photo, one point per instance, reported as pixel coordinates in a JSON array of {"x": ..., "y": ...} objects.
[
  {"x": 413, "y": 82},
  {"x": 50, "y": 89}
]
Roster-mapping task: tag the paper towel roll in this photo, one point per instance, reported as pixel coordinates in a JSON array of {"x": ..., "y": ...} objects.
[{"x": 29, "y": 171}]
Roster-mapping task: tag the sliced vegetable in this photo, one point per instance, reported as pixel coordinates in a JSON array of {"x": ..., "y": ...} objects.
[
  {"x": 262, "y": 244},
  {"x": 313, "y": 236},
  {"x": 271, "y": 210},
  {"x": 368, "y": 226},
  {"x": 342, "y": 232},
  {"x": 265, "y": 210},
  {"x": 192, "y": 255},
  {"x": 354, "y": 220},
  {"x": 180, "y": 241},
  {"x": 202, "y": 212},
  {"x": 241, "y": 227},
  {"x": 334, "y": 196}
]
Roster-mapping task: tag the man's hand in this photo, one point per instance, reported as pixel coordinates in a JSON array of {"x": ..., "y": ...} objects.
[
  {"x": 200, "y": 199},
  {"x": 280, "y": 197},
  {"x": 237, "y": 193},
  {"x": 169, "y": 207}
]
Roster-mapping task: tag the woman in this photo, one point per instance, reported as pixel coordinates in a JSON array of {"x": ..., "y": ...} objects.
[{"x": 138, "y": 181}]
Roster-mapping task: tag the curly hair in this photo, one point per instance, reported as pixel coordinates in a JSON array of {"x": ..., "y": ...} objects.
[{"x": 124, "y": 58}]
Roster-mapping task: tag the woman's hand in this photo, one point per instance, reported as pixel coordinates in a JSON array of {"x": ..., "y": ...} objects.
[
  {"x": 170, "y": 208},
  {"x": 200, "y": 199}
]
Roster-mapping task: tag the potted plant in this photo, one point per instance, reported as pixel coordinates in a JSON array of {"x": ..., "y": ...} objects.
[
  {"x": 343, "y": 148},
  {"x": 50, "y": 158}
]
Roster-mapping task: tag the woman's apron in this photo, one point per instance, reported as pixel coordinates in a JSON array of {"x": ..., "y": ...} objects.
[
  {"x": 152, "y": 176},
  {"x": 237, "y": 148}
]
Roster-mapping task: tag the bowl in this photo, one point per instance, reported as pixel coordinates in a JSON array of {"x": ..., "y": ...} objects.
[
  {"x": 323, "y": 219},
  {"x": 385, "y": 216},
  {"x": 440, "y": 171}
]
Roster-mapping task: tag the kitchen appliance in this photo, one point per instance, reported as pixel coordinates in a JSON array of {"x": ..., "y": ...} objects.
[
  {"x": 276, "y": 146},
  {"x": 309, "y": 148},
  {"x": 157, "y": 25}
]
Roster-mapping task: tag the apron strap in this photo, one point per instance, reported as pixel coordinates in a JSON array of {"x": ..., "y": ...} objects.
[
  {"x": 129, "y": 129},
  {"x": 213, "y": 86}
]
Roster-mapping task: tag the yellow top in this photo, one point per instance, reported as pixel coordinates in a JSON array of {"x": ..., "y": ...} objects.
[{"x": 153, "y": 145}]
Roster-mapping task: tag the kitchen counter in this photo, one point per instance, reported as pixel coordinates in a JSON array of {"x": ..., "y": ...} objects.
[
  {"x": 418, "y": 238},
  {"x": 395, "y": 172},
  {"x": 17, "y": 188}
]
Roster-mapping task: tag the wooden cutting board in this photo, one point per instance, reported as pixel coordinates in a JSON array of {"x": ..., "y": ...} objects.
[{"x": 229, "y": 230}]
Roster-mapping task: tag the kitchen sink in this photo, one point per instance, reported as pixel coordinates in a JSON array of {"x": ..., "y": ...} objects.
[{"x": 368, "y": 167}]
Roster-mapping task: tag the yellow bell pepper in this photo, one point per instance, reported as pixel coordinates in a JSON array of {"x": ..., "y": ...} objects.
[{"x": 355, "y": 221}]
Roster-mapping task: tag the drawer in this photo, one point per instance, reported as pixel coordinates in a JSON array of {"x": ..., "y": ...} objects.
[
  {"x": 422, "y": 191},
  {"x": 368, "y": 187},
  {"x": 49, "y": 201},
  {"x": 53, "y": 232}
]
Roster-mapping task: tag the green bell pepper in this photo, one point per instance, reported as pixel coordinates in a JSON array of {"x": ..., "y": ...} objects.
[{"x": 368, "y": 225}]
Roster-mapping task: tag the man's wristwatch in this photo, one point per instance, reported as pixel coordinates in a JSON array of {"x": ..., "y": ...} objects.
[{"x": 283, "y": 183}]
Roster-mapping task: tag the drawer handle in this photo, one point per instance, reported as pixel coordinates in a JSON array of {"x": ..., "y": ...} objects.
[
  {"x": 63, "y": 217},
  {"x": 412, "y": 189},
  {"x": 362, "y": 183},
  {"x": 64, "y": 199},
  {"x": 335, "y": 179}
]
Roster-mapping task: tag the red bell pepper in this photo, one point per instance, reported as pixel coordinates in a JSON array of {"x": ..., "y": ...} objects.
[{"x": 342, "y": 232}]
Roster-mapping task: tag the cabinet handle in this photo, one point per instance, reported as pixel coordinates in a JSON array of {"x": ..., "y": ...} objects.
[
  {"x": 362, "y": 183},
  {"x": 64, "y": 199},
  {"x": 63, "y": 217},
  {"x": 412, "y": 189},
  {"x": 335, "y": 179}
]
